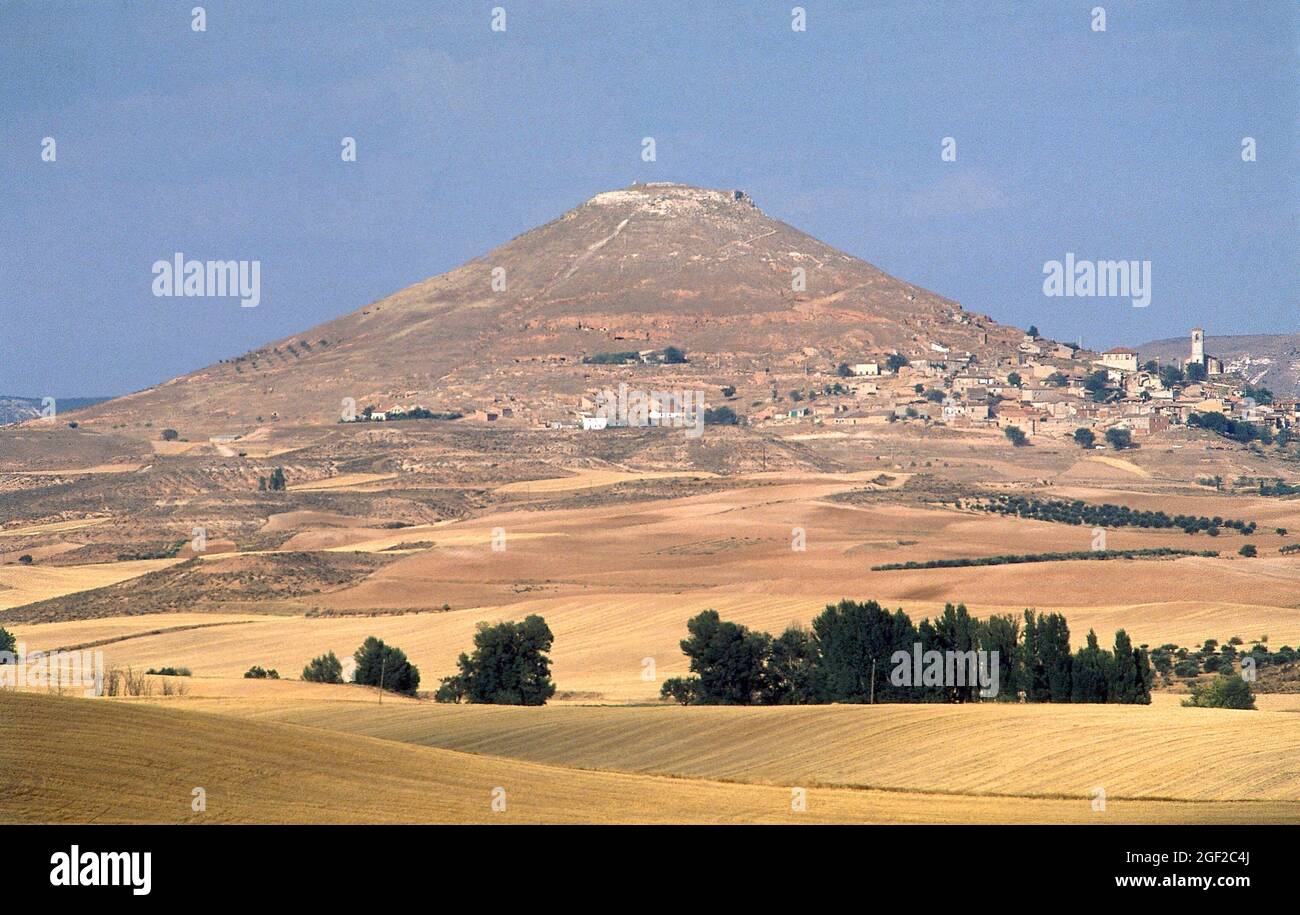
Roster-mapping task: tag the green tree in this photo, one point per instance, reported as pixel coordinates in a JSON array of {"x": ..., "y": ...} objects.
[
  {"x": 1015, "y": 380},
  {"x": 1088, "y": 675},
  {"x": 1054, "y": 652},
  {"x": 791, "y": 675},
  {"x": 1119, "y": 439},
  {"x": 851, "y": 636},
  {"x": 1096, "y": 383},
  {"x": 1002, "y": 634},
  {"x": 8, "y": 646},
  {"x": 1016, "y": 436},
  {"x": 727, "y": 659},
  {"x": 509, "y": 666},
  {"x": 325, "y": 668},
  {"x": 1123, "y": 685},
  {"x": 375, "y": 660},
  {"x": 720, "y": 416},
  {"x": 955, "y": 630},
  {"x": 1248, "y": 550},
  {"x": 1084, "y": 437}
]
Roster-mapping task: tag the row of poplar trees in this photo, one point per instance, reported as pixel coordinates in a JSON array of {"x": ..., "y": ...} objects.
[{"x": 846, "y": 656}]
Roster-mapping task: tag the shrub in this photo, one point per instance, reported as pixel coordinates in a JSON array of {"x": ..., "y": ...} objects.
[
  {"x": 681, "y": 690},
  {"x": 325, "y": 668},
  {"x": 1224, "y": 691},
  {"x": 257, "y": 672},
  {"x": 1187, "y": 668},
  {"x": 1016, "y": 436},
  {"x": 169, "y": 672},
  {"x": 622, "y": 358},
  {"x": 1248, "y": 550},
  {"x": 720, "y": 416},
  {"x": 118, "y": 682},
  {"x": 170, "y": 435},
  {"x": 8, "y": 645}
]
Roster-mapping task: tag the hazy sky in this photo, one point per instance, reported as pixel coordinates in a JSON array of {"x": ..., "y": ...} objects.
[{"x": 225, "y": 144}]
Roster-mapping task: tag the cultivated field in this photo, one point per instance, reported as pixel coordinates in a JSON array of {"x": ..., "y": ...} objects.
[
  {"x": 94, "y": 761},
  {"x": 26, "y": 584}
]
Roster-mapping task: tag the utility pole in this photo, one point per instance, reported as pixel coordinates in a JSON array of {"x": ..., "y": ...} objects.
[
  {"x": 873, "y": 681},
  {"x": 383, "y": 665}
]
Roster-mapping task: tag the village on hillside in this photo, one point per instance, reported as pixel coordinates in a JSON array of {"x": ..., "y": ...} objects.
[{"x": 1047, "y": 388}]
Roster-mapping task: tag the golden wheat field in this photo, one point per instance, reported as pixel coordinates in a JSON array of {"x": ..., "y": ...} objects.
[
  {"x": 1157, "y": 752},
  {"x": 24, "y": 584},
  {"x": 95, "y": 761}
]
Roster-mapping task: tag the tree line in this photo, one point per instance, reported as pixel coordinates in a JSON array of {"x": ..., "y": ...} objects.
[
  {"x": 961, "y": 562},
  {"x": 1105, "y": 514},
  {"x": 849, "y": 655}
]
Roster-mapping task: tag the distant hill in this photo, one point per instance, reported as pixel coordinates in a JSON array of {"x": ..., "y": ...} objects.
[
  {"x": 637, "y": 269},
  {"x": 17, "y": 409},
  {"x": 1272, "y": 360}
]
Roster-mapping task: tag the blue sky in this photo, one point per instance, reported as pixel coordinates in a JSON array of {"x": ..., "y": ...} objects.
[{"x": 1123, "y": 144}]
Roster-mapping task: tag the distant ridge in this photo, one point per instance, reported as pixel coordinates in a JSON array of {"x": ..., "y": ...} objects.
[{"x": 1274, "y": 359}]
